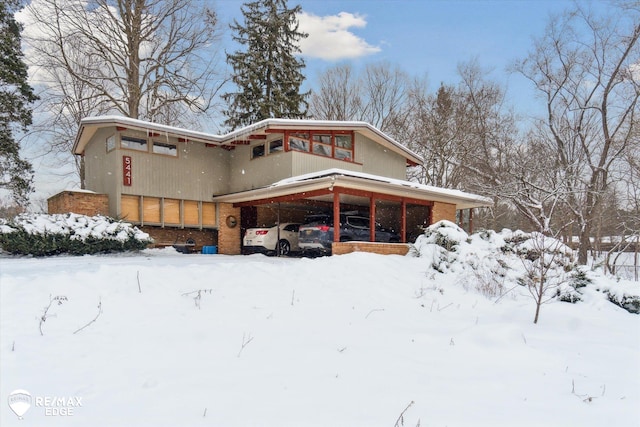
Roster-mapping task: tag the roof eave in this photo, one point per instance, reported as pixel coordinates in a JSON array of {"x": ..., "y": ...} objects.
[{"x": 462, "y": 200}]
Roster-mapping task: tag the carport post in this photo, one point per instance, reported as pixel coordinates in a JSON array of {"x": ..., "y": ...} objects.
[
  {"x": 403, "y": 221},
  {"x": 372, "y": 219},
  {"x": 336, "y": 216},
  {"x": 278, "y": 230}
]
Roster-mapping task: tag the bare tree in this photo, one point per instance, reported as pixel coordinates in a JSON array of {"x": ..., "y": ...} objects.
[
  {"x": 436, "y": 131},
  {"x": 379, "y": 96},
  {"x": 339, "y": 96},
  {"x": 545, "y": 263},
  {"x": 149, "y": 59},
  {"x": 385, "y": 97},
  {"x": 586, "y": 69}
]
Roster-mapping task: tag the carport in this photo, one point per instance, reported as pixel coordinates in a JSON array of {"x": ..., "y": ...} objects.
[{"x": 405, "y": 205}]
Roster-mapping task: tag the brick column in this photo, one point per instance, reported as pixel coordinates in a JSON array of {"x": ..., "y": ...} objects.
[
  {"x": 441, "y": 211},
  {"x": 228, "y": 237}
]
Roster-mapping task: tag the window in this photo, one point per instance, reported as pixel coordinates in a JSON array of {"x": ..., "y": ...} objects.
[
  {"x": 321, "y": 149},
  {"x": 334, "y": 144},
  {"x": 294, "y": 228},
  {"x": 344, "y": 141},
  {"x": 275, "y": 146},
  {"x": 358, "y": 222},
  {"x": 343, "y": 154},
  {"x": 344, "y": 147},
  {"x": 299, "y": 141},
  {"x": 324, "y": 139},
  {"x": 257, "y": 151},
  {"x": 322, "y": 145},
  {"x": 111, "y": 143},
  {"x": 164, "y": 148},
  {"x": 132, "y": 143}
]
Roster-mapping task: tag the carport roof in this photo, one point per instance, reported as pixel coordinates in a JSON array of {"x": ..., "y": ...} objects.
[{"x": 319, "y": 184}]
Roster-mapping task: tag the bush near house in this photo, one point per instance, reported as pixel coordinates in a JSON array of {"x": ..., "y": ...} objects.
[{"x": 46, "y": 235}]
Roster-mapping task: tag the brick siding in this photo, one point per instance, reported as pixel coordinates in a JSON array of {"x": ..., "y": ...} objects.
[
  {"x": 168, "y": 236},
  {"x": 339, "y": 248},
  {"x": 79, "y": 202}
]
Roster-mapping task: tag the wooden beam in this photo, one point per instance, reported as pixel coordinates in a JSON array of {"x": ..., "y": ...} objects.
[
  {"x": 285, "y": 198},
  {"x": 382, "y": 196}
]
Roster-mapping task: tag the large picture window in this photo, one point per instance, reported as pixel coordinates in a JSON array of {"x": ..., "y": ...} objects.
[{"x": 338, "y": 145}]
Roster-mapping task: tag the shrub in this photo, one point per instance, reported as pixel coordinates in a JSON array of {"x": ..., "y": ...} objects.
[
  {"x": 46, "y": 235},
  {"x": 631, "y": 303}
]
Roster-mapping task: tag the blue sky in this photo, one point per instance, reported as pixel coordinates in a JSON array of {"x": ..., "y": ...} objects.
[{"x": 422, "y": 37}]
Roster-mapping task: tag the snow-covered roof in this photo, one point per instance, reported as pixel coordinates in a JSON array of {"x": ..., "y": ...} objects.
[
  {"x": 89, "y": 125},
  {"x": 330, "y": 178}
]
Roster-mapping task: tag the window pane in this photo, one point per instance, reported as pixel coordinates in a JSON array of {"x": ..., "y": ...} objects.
[
  {"x": 296, "y": 143},
  {"x": 323, "y": 150},
  {"x": 111, "y": 143},
  {"x": 257, "y": 151},
  {"x": 358, "y": 222},
  {"x": 133, "y": 143},
  {"x": 344, "y": 141},
  {"x": 325, "y": 139},
  {"x": 275, "y": 146},
  {"x": 343, "y": 154},
  {"x": 166, "y": 149}
]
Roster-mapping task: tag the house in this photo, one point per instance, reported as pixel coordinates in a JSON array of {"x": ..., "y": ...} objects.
[{"x": 178, "y": 184}]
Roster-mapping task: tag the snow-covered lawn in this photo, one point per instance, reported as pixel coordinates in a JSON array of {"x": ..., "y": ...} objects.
[{"x": 350, "y": 340}]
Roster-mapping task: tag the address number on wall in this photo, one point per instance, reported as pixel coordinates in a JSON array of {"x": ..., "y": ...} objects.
[{"x": 126, "y": 170}]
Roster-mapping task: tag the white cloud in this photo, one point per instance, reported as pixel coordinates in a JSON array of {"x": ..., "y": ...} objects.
[{"x": 330, "y": 38}]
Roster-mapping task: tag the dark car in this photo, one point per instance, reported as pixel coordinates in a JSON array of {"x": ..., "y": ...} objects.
[{"x": 316, "y": 235}]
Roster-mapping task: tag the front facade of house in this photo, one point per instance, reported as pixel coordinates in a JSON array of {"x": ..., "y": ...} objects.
[{"x": 177, "y": 183}]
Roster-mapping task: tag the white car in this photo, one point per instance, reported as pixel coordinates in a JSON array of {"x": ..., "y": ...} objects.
[{"x": 264, "y": 239}]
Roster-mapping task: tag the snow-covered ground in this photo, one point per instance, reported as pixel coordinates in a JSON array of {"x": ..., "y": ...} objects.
[{"x": 350, "y": 340}]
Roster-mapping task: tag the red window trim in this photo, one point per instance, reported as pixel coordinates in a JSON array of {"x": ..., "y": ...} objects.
[{"x": 333, "y": 133}]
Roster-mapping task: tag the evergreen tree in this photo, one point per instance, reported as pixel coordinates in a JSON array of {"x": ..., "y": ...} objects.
[
  {"x": 16, "y": 174},
  {"x": 268, "y": 74}
]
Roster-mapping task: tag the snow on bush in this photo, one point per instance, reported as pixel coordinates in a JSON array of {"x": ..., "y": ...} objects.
[
  {"x": 43, "y": 235},
  {"x": 495, "y": 263}
]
